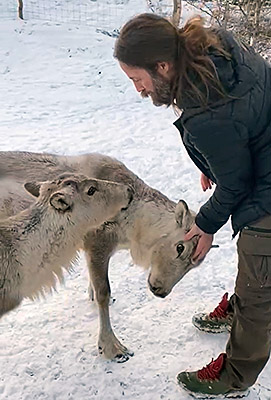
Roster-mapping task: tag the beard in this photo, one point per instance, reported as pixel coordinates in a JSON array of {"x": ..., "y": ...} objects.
[{"x": 161, "y": 94}]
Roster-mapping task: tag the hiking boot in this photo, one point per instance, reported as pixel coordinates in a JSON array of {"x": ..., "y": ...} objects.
[
  {"x": 208, "y": 383},
  {"x": 217, "y": 321}
]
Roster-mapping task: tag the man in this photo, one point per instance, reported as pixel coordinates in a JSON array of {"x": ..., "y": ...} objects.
[{"x": 223, "y": 90}]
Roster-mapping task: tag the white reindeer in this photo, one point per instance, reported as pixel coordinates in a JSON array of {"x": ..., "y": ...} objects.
[{"x": 36, "y": 243}]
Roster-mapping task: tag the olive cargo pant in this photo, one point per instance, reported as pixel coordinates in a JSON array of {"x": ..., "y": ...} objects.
[{"x": 248, "y": 348}]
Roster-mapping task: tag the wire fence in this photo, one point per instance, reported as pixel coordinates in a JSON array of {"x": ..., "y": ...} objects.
[
  {"x": 8, "y": 9},
  {"x": 103, "y": 14}
]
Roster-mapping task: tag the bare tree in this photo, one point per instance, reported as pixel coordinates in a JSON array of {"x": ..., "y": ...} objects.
[
  {"x": 250, "y": 19},
  {"x": 177, "y": 11},
  {"x": 159, "y": 6}
]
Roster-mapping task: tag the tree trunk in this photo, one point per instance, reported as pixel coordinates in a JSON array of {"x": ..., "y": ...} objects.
[{"x": 177, "y": 10}]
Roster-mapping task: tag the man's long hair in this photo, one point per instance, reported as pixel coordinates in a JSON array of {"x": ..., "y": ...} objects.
[{"x": 148, "y": 39}]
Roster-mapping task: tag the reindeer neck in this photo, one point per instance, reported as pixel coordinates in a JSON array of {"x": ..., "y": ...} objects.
[
  {"x": 38, "y": 233},
  {"x": 151, "y": 215}
]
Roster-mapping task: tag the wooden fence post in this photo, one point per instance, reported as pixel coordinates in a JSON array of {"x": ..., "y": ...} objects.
[{"x": 20, "y": 9}]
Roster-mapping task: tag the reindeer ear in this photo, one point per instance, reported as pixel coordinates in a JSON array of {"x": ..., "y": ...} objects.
[
  {"x": 183, "y": 216},
  {"x": 61, "y": 201},
  {"x": 33, "y": 188}
]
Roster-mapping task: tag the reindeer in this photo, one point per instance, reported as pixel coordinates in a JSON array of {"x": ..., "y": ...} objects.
[
  {"x": 37, "y": 242},
  {"x": 152, "y": 228}
]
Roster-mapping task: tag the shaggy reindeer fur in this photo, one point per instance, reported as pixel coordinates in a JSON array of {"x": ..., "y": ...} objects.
[
  {"x": 152, "y": 228},
  {"x": 37, "y": 242}
]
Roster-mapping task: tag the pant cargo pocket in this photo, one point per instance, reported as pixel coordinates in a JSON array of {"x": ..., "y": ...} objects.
[{"x": 254, "y": 246}]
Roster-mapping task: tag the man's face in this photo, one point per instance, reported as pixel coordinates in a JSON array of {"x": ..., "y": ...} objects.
[{"x": 157, "y": 86}]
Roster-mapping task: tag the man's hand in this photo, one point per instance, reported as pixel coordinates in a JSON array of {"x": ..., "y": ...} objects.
[
  {"x": 205, "y": 182},
  {"x": 204, "y": 243}
]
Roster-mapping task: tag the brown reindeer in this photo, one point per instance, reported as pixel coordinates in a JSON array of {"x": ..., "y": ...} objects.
[{"x": 152, "y": 228}]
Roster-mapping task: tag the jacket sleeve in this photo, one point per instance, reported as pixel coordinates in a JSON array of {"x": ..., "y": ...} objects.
[{"x": 224, "y": 144}]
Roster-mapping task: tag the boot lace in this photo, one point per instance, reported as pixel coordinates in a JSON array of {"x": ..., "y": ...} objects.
[
  {"x": 212, "y": 371},
  {"x": 221, "y": 310}
]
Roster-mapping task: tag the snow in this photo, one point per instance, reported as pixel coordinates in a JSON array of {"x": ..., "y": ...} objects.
[{"x": 62, "y": 92}]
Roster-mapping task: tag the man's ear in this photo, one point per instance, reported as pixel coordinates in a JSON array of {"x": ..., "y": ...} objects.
[
  {"x": 164, "y": 68},
  {"x": 33, "y": 188}
]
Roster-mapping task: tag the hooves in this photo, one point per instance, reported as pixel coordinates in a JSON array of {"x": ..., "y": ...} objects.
[
  {"x": 121, "y": 358},
  {"x": 115, "y": 352}
]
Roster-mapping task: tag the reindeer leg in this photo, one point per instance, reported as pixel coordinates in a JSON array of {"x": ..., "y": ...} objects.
[
  {"x": 7, "y": 302},
  {"x": 91, "y": 294},
  {"x": 108, "y": 344}
]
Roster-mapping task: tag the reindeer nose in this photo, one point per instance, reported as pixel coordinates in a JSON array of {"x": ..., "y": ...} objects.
[
  {"x": 154, "y": 289},
  {"x": 157, "y": 290}
]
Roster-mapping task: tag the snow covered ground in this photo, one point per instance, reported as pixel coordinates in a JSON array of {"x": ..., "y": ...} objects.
[{"x": 62, "y": 92}]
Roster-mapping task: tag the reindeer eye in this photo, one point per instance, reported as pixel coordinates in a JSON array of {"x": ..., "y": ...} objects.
[
  {"x": 92, "y": 190},
  {"x": 180, "y": 249}
]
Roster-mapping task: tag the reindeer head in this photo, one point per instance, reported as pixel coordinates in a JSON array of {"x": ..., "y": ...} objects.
[
  {"x": 83, "y": 200},
  {"x": 171, "y": 256}
]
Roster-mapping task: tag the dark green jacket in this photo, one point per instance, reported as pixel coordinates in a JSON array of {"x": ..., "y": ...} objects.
[{"x": 230, "y": 142}]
